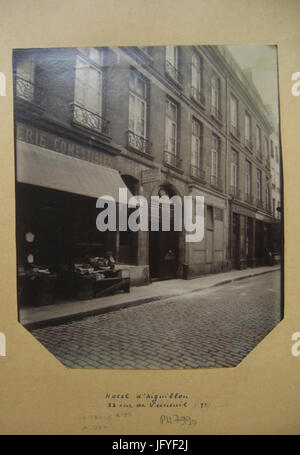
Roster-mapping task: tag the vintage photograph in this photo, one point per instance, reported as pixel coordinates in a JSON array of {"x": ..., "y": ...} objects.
[{"x": 148, "y": 203}]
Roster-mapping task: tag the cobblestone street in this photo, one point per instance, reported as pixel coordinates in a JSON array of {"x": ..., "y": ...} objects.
[{"x": 216, "y": 327}]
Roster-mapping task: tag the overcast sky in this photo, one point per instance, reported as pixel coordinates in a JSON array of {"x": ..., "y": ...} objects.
[{"x": 263, "y": 62}]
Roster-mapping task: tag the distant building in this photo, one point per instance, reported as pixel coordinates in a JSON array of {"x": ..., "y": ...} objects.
[{"x": 184, "y": 120}]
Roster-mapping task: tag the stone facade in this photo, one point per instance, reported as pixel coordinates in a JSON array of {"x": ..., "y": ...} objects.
[{"x": 193, "y": 152}]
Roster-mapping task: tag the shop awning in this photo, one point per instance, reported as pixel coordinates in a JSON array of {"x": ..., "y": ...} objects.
[{"x": 49, "y": 169}]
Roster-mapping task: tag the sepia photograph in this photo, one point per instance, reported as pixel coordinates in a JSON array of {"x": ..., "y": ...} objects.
[{"x": 149, "y": 206}]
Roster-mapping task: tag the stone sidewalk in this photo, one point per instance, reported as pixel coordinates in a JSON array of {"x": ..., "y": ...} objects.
[{"x": 34, "y": 317}]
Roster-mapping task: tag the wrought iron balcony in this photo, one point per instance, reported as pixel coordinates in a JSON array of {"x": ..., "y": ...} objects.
[
  {"x": 216, "y": 113},
  {"x": 216, "y": 182},
  {"x": 84, "y": 117},
  {"x": 249, "y": 144},
  {"x": 172, "y": 160},
  {"x": 197, "y": 173},
  {"x": 172, "y": 71},
  {"x": 235, "y": 131},
  {"x": 28, "y": 91},
  {"x": 139, "y": 143},
  {"x": 197, "y": 95}
]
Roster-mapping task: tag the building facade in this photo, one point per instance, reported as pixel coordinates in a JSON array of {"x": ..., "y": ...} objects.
[{"x": 158, "y": 120}]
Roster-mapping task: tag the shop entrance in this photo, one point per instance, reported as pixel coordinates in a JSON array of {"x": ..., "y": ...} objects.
[
  {"x": 259, "y": 243},
  {"x": 164, "y": 245},
  {"x": 235, "y": 239}
]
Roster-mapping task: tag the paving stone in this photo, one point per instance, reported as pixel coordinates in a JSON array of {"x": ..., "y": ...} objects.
[{"x": 212, "y": 328}]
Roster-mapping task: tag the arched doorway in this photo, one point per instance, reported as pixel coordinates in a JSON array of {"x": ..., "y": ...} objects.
[{"x": 164, "y": 245}]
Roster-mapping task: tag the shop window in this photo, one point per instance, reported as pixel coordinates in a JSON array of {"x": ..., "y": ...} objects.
[{"x": 209, "y": 218}]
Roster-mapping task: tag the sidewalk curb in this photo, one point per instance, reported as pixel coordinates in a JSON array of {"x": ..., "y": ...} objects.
[{"x": 131, "y": 303}]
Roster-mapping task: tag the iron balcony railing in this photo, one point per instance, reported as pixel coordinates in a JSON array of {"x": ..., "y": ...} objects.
[
  {"x": 139, "y": 143},
  {"x": 172, "y": 159},
  {"x": 216, "y": 113},
  {"x": 89, "y": 119},
  {"x": 197, "y": 95},
  {"x": 197, "y": 172},
  {"x": 28, "y": 91},
  {"x": 172, "y": 71}
]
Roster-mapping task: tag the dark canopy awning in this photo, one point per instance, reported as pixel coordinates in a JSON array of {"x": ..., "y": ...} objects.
[{"x": 49, "y": 169}]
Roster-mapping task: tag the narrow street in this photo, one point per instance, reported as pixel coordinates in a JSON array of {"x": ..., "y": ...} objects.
[{"x": 216, "y": 327}]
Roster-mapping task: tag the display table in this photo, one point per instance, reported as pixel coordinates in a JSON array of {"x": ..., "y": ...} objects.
[{"x": 88, "y": 286}]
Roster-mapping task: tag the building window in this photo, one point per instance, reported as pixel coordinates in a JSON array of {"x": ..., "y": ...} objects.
[
  {"x": 25, "y": 77},
  {"x": 272, "y": 149},
  {"x": 258, "y": 138},
  {"x": 137, "y": 126},
  {"x": 214, "y": 159},
  {"x": 196, "y": 143},
  {"x": 234, "y": 116},
  {"x": 172, "y": 62},
  {"x": 171, "y": 127},
  {"x": 248, "y": 180},
  {"x": 89, "y": 93},
  {"x": 248, "y": 142},
  {"x": 267, "y": 149},
  {"x": 258, "y": 186},
  {"x": 171, "y": 133},
  {"x": 234, "y": 171},
  {"x": 215, "y": 97},
  {"x": 268, "y": 198},
  {"x": 197, "y": 79}
]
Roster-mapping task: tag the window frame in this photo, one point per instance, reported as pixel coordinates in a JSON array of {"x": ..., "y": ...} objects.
[
  {"x": 248, "y": 178},
  {"x": 98, "y": 90},
  {"x": 174, "y": 123},
  {"x": 234, "y": 173},
  {"x": 215, "y": 153},
  {"x": 137, "y": 97},
  {"x": 196, "y": 152}
]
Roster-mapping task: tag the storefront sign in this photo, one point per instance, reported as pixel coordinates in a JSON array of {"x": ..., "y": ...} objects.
[
  {"x": 50, "y": 141},
  {"x": 151, "y": 175}
]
